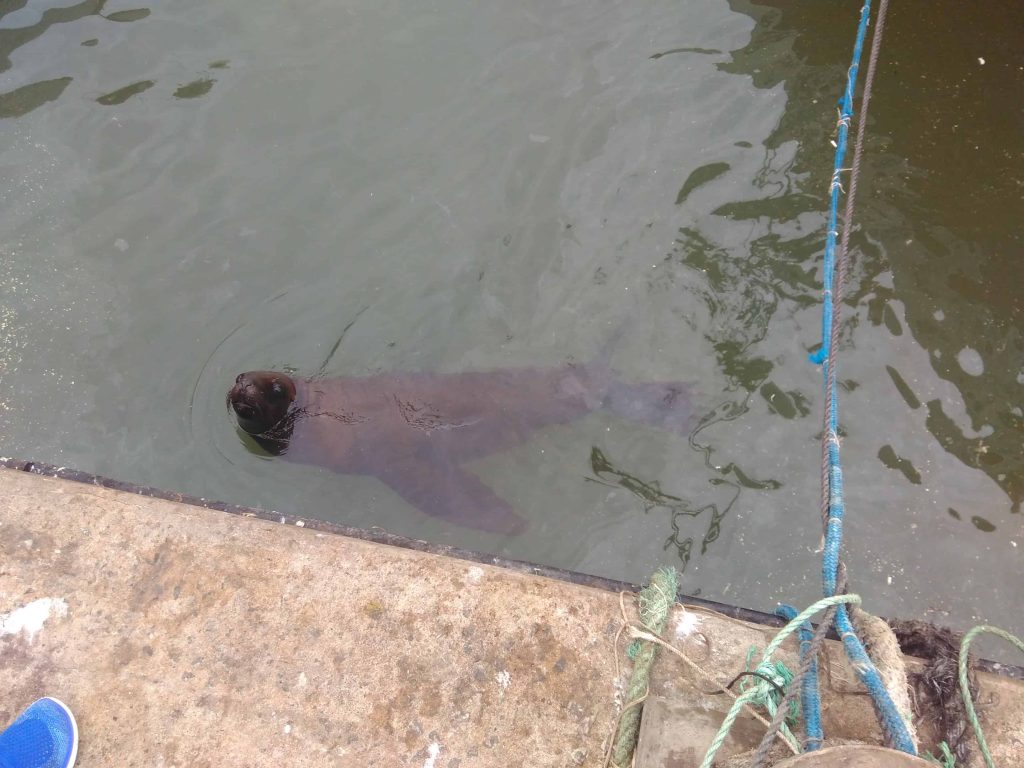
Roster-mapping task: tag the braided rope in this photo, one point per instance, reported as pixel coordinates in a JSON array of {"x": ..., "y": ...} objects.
[{"x": 833, "y": 506}]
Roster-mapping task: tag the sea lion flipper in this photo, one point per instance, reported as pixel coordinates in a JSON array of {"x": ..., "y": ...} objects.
[{"x": 444, "y": 490}]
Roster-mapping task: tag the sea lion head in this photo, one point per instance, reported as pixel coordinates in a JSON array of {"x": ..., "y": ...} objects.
[{"x": 262, "y": 402}]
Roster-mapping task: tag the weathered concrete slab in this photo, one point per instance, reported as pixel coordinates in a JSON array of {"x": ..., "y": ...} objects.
[
  {"x": 197, "y": 638},
  {"x": 676, "y": 732},
  {"x": 183, "y": 636}
]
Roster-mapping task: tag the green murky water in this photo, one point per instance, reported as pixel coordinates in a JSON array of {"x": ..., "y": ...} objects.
[{"x": 196, "y": 189}]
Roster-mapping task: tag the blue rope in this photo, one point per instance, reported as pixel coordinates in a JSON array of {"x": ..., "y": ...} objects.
[
  {"x": 845, "y": 116},
  {"x": 810, "y": 698},
  {"x": 892, "y": 723}
]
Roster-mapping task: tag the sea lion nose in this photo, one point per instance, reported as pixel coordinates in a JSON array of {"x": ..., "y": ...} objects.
[{"x": 244, "y": 410}]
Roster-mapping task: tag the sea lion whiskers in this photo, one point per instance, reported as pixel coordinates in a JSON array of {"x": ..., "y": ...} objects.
[{"x": 286, "y": 425}]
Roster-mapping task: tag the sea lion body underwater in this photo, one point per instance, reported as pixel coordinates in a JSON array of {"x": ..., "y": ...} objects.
[{"x": 414, "y": 430}]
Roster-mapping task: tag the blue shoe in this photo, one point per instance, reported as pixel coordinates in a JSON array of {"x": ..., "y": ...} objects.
[{"x": 44, "y": 736}]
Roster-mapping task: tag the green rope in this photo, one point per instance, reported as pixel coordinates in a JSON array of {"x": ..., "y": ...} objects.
[
  {"x": 751, "y": 695},
  {"x": 769, "y": 679},
  {"x": 965, "y": 690},
  {"x": 946, "y": 759},
  {"x": 655, "y": 600},
  {"x": 778, "y": 673}
]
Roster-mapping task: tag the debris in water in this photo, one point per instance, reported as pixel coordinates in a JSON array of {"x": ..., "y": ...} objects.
[{"x": 938, "y": 701}]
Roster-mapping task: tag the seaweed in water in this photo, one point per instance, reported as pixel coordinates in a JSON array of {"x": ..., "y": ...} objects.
[{"x": 939, "y": 705}]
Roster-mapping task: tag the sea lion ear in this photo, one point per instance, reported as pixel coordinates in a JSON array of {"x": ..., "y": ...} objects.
[{"x": 278, "y": 390}]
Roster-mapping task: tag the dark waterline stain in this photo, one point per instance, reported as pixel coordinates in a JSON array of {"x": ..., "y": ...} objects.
[
  {"x": 219, "y": 64},
  {"x": 887, "y": 455},
  {"x": 648, "y": 491},
  {"x": 982, "y": 524},
  {"x": 788, "y": 405},
  {"x": 135, "y": 14},
  {"x": 903, "y": 388},
  {"x": 707, "y": 51},
  {"x": 699, "y": 177},
  {"x": 651, "y": 496},
  {"x": 23, "y": 100},
  {"x": 891, "y": 321},
  {"x": 13, "y": 39},
  {"x": 974, "y": 452},
  {"x": 122, "y": 95},
  {"x": 781, "y": 209},
  {"x": 90, "y": 43},
  {"x": 195, "y": 89}
]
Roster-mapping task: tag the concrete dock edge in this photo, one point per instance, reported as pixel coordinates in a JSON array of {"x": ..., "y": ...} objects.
[{"x": 183, "y": 636}]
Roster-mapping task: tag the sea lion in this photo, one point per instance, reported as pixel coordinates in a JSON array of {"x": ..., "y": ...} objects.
[{"x": 413, "y": 431}]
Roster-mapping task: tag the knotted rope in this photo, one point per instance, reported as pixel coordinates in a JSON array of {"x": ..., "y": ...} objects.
[{"x": 655, "y": 600}]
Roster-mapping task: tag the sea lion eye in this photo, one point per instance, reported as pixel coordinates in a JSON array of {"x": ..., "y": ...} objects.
[{"x": 276, "y": 390}]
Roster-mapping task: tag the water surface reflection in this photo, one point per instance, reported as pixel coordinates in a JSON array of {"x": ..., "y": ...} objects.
[{"x": 204, "y": 188}]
